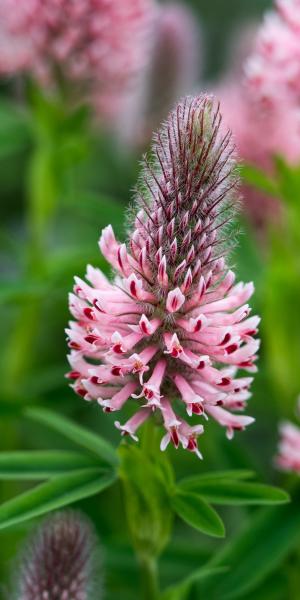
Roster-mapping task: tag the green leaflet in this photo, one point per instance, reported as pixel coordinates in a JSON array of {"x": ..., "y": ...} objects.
[
  {"x": 288, "y": 181},
  {"x": 197, "y": 513},
  {"x": 77, "y": 434},
  {"x": 54, "y": 494},
  {"x": 229, "y": 491},
  {"x": 258, "y": 178},
  {"x": 216, "y": 475},
  {"x": 42, "y": 464}
]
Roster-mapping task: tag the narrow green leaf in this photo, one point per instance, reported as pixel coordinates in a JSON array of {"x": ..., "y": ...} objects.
[
  {"x": 259, "y": 179},
  {"x": 216, "y": 475},
  {"x": 181, "y": 590},
  {"x": 256, "y": 551},
  {"x": 42, "y": 464},
  {"x": 54, "y": 494},
  {"x": 226, "y": 491},
  {"x": 77, "y": 434},
  {"x": 288, "y": 180},
  {"x": 197, "y": 513}
]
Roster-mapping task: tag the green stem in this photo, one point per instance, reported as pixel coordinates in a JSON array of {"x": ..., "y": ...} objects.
[
  {"x": 148, "y": 437},
  {"x": 149, "y": 577},
  {"x": 148, "y": 564},
  {"x": 143, "y": 471}
]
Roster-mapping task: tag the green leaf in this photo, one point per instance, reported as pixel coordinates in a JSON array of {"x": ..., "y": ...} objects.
[
  {"x": 77, "y": 434},
  {"x": 256, "y": 551},
  {"x": 54, "y": 494},
  {"x": 288, "y": 180},
  {"x": 42, "y": 464},
  {"x": 259, "y": 179},
  {"x": 216, "y": 475},
  {"x": 228, "y": 491},
  {"x": 197, "y": 513},
  {"x": 181, "y": 590}
]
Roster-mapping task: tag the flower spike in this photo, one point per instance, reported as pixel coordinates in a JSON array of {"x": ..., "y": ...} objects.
[{"x": 172, "y": 324}]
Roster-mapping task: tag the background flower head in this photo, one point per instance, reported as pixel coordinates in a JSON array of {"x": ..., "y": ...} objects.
[
  {"x": 273, "y": 69},
  {"x": 96, "y": 45},
  {"x": 288, "y": 457},
  {"x": 59, "y": 561}
]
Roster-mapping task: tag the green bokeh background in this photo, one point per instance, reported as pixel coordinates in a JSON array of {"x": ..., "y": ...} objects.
[{"x": 96, "y": 191}]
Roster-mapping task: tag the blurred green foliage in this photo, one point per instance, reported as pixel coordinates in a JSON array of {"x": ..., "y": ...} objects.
[{"x": 81, "y": 181}]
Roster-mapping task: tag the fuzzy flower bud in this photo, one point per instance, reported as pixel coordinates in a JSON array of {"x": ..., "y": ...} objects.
[
  {"x": 59, "y": 561},
  {"x": 94, "y": 45},
  {"x": 172, "y": 325}
]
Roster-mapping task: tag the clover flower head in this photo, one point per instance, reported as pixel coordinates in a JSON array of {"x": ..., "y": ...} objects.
[
  {"x": 172, "y": 329},
  {"x": 59, "y": 561}
]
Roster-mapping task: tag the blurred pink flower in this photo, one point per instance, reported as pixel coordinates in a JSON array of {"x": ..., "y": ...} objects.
[
  {"x": 273, "y": 81},
  {"x": 172, "y": 325},
  {"x": 262, "y": 108},
  {"x": 288, "y": 457},
  {"x": 273, "y": 69},
  {"x": 259, "y": 135},
  {"x": 96, "y": 43}
]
